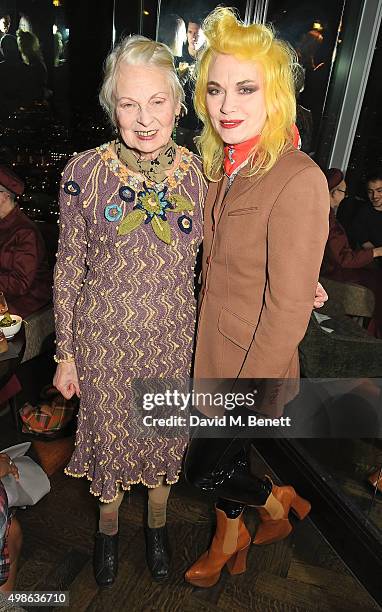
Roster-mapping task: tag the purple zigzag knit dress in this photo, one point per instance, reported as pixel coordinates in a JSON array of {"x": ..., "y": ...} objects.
[{"x": 125, "y": 309}]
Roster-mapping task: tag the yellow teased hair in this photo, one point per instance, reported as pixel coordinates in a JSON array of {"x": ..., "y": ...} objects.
[{"x": 257, "y": 43}]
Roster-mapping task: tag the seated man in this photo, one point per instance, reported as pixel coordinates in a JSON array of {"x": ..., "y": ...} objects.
[
  {"x": 367, "y": 225},
  {"x": 25, "y": 278},
  {"x": 347, "y": 211},
  {"x": 10, "y": 531},
  {"x": 343, "y": 263}
]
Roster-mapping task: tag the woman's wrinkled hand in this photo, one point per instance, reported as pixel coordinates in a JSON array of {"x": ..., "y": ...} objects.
[
  {"x": 321, "y": 296},
  {"x": 7, "y": 466},
  {"x": 66, "y": 379}
]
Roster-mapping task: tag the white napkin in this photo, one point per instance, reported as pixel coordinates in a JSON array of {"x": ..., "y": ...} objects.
[{"x": 33, "y": 483}]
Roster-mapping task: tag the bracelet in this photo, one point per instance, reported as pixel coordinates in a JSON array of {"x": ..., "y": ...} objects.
[{"x": 68, "y": 360}]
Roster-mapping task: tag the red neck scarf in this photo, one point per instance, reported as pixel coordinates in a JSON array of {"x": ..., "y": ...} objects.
[{"x": 235, "y": 155}]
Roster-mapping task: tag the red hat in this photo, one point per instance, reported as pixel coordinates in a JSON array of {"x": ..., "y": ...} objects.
[
  {"x": 334, "y": 176},
  {"x": 10, "y": 180}
]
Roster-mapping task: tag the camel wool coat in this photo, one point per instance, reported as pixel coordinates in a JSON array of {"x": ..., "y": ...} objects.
[{"x": 263, "y": 245}]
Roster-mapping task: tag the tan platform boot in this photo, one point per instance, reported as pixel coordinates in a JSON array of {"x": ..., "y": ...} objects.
[{"x": 229, "y": 547}]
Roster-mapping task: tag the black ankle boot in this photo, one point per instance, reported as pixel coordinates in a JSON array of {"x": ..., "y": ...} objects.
[
  {"x": 105, "y": 559},
  {"x": 158, "y": 553}
]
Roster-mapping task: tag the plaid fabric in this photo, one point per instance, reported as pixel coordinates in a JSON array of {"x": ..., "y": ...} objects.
[
  {"x": 5, "y": 522},
  {"x": 50, "y": 415}
]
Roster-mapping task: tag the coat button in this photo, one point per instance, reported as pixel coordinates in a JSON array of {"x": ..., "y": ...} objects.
[{"x": 213, "y": 228}]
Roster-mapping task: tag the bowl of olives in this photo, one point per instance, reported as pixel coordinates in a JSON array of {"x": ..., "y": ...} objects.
[{"x": 10, "y": 324}]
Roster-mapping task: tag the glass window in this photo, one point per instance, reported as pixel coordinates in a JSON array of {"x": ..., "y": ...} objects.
[
  {"x": 180, "y": 28},
  {"x": 314, "y": 30},
  {"x": 355, "y": 466},
  {"x": 367, "y": 146}
]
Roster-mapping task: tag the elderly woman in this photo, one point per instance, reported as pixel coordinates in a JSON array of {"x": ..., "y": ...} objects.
[
  {"x": 130, "y": 227},
  {"x": 266, "y": 224},
  {"x": 25, "y": 278}
]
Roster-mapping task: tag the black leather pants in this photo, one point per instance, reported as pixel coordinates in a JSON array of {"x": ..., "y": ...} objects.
[{"x": 221, "y": 465}]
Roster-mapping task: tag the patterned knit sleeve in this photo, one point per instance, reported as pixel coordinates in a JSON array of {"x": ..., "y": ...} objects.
[{"x": 70, "y": 269}]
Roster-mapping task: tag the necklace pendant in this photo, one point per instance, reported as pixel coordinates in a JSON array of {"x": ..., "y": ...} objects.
[{"x": 231, "y": 151}]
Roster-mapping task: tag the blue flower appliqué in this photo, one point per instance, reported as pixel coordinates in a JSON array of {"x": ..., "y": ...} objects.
[
  {"x": 113, "y": 212},
  {"x": 127, "y": 194},
  {"x": 72, "y": 188},
  {"x": 185, "y": 224},
  {"x": 153, "y": 203}
]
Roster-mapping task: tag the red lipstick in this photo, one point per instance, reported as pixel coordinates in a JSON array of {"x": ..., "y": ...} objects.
[{"x": 229, "y": 124}]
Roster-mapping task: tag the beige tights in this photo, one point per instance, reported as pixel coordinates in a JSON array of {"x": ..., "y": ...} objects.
[
  {"x": 108, "y": 515},
  {"x": 157, "y": 505}
]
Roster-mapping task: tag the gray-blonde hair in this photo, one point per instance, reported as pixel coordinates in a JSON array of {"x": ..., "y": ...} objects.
[{"x": 137, "y": 51}]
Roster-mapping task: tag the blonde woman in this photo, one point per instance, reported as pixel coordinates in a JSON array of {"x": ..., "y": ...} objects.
[{"x": 265, "y": 229}]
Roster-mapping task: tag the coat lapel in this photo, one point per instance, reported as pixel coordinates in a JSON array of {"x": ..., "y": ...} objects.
[
  {"x": 219, "y": 198},
  {"x": 210, "y": 199}
]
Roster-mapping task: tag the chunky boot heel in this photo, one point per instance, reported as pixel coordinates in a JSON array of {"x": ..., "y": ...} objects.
[
  {"x": 300, "y": 507},
  {"x": 230, "y": 533},
  {"x": 237, "y": 564}
]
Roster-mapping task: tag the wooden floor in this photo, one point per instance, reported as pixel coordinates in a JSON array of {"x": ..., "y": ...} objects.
[{"x": 299, "y": 574}]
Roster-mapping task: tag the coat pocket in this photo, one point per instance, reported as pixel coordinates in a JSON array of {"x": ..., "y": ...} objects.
[
  {"x": 243, "y": 211},
  {"x": 236, "y": 329}
]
